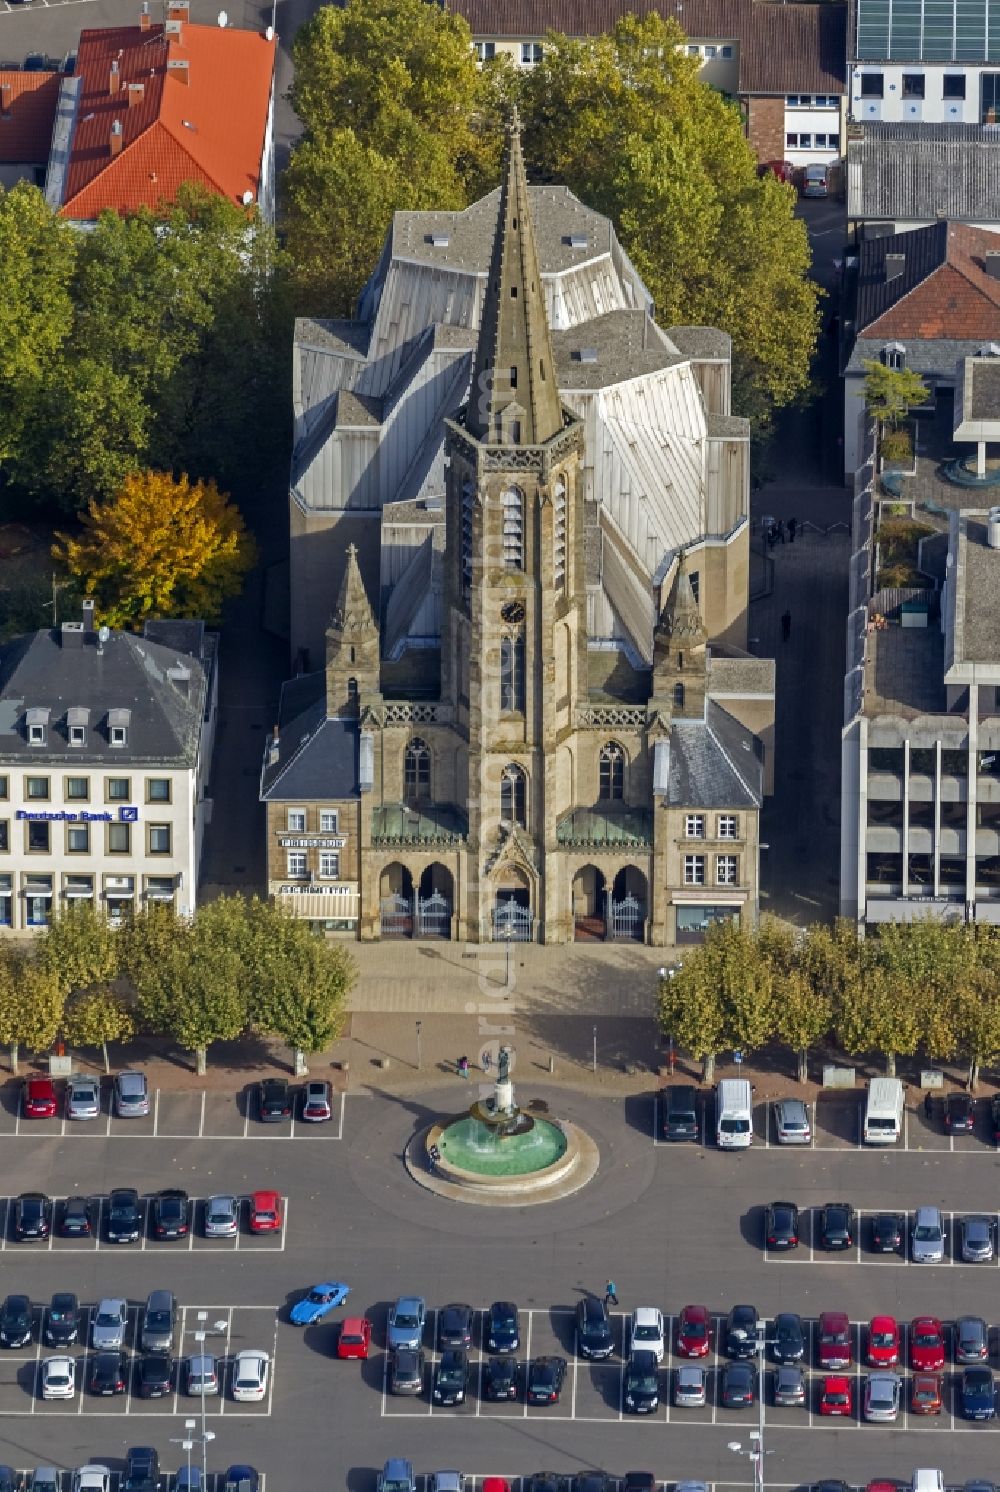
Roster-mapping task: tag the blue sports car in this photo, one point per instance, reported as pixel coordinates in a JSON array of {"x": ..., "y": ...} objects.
[{"x": 321, "y": 1300}]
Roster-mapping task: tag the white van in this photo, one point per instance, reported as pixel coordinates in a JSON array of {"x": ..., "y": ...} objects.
[
  {"x": 883, "y": 1123},
  {"x": 927, "y": 1481},
  {"x": 734, "y": 1114}
]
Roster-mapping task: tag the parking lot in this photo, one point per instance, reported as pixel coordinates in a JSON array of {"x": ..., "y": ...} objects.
[
  {"x": 172, "y": 1116},
  {"x": 196, "y": 1239}
]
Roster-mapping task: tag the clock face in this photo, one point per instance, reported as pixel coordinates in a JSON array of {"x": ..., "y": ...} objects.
[{"x": 513, "y": 612}]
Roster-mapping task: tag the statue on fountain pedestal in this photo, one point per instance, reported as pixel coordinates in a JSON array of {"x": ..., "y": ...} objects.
[{"x": 503, "y": 1064}]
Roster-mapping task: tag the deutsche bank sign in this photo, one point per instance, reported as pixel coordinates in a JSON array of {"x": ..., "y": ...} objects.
[{"x": 127, "y": 814}]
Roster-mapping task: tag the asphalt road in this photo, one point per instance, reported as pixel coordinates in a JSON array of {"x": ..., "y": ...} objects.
[{"x": 672, "y": 1224}]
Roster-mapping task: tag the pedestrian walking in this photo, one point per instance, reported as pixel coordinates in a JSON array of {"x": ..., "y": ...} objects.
[
  {"x": 772, "y": 536},
  {"x": 786, "y": 626},
  {"x": 487, "y": 1061},
  {"x": 463, "y": 1067},
  {"x": 928, "y": 1105},
  {"x": 781, "y": 530},
  {"x": 611, "y": 1293},
  {"x": 792, "y": 526}
]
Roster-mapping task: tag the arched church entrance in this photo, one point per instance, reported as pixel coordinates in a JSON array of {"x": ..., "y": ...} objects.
[
  {"x": 512, "y": 914},
  {"x": 627, "y": 905},
  {"x": 396, "y": 901},
  {"x": 589, "y": 905},
  {"x": 435, "y": 896}
]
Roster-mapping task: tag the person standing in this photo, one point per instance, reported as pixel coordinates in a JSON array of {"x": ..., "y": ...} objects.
[
  {"x": 792, "y": 526},
  {"x": 463, "y": 1067},
  {"x": 611, "y": 1293},
  {"x": 786, "y": 626},
  {"x": 781, "y": 531}
]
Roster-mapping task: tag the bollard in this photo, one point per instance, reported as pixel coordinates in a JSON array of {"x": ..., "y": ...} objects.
[{"x": 552, "y": 1064}]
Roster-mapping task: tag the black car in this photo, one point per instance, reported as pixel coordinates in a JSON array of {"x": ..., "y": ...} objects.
[
  {"x": 547, "y": 1481},
  {"x": 545, "y": 1379},
  {"x": 836, "y": 1226},
  {"x": 15, "y": 1321},
  {"x": 639, "y": 1481},
  {"x": 642, "y": 1383},
  {"x": 156, "y": 1375},
  {"x": 124, "y": 1215},
  {"x": 62, "y": 1320},
  {"x": 593, "y": 1329},
  {"x": 959, "y": 1114},
  {"x": 454, "y": 1326},
  {"x": 451, "y": 1377},
  {"x": 978, "y": 1399},
  {"x": 781, "y": 1225},
  {"x": 741, "y": 1331},
  {"x": 170, "y": 1214},
  {"x": 995, "y": 1117},
  {"x": 77, "y": 1218},
  {"x": 142, "y": 1469},
  {"x": 108, "y": 1373},
  {"x": 274, "y": 1101},
  {"x": 739, "y": 1386},
  {"x": 32, "y": 1217},
  {"x": 680, "y": 1113},
  {"x": 10, "y": 1481},
  {"x": 788, "y": 1338},
  {"x": 406, "y": 1371},
  {"x": 500, "y": 1378},
  {"x": 592, "y": 1481},
  {"x": 888, "y": 1230},
  {"x": 503, "y": 1332}
]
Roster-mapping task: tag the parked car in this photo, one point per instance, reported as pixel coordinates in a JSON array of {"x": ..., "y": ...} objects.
[
  {"x": 925, "y": 1393},
  {"x": 108, "y": 1324},
  {"x": 131, "y": 1095},
  {"x": 201, "y": 1375},
  {"x": 159, "y": 1321},
  {"x": 156, "y": 1375},
  {"x": 882, "y": 1395},
  {"x": 976, "y": 1234},
  {"x": 503, "y": 1331},
  {"x": 927, "y": 1238},
  {"x": 959, "y": 1114},
  {"x": 274, "y": 1101},
  {"x": 265, "y": 1212},
  {"x": 451, "y": 1377},
  {"x": 836, "y": 1396},
  {"x": 833, "y": 1349},
  {"x": 92, "y": 1478},
  {"x": 454, "y": 1323},
  {"x": 15, "y": 1321},
  {"x": 978, "y": 1397},
  {"x": 642, "y": 1383},
  {"x": 241, "y": 1478},
  {"x": 791, "y": 1120},
  {"x": 39, "y": 1099},
  {"x": 593, "y": 1329},
  {"x": 788, "y": 1340},
  {"x": 170, "y": 1214},
  {"x": 406, "y": 1322},
  {"x": 689, "y": 1387},
  {"x": 971, "y": 1339},
  {"x": 142, "y": 1469},
  {"x": 83, "y": 1098},
  {"x": 545, "y": 1379},
  {"x": 995, "y": 1117},
  {"x": 222, "y": 1216},
  {"x": 680, "y": 1113},
  {"x": 500, "y": 1378},
  {"x": 124, "y": 1215},
  {"x": 32, "y": 1217},
  {"x": 646, "y": 1331},
  {"x": 883, "y": 1342},
  {"x": 781, "y": 1226},
  {"x": 741, "y": 1331},
  {"x": 694, "y": 1331},
  {"x": 62, "y": 1320},
  {"x": 815, "y": 181},
  {"x": 783, "y": 170},
  {"x": 59, "y": 1378},
  {"x": 836, "y": 1226},
  {"x": 316, "y": 1108},
  {"x": 406, "y": 1371},
  {"x": 396, "y": 1476},
  {"x": 108, "y": 1373},
  {"x": 739, "y": 1385},
  {"x": 355, "y": 1337},
  {"x": 887, "y": 1232},
  {"x": 251, "y": 1370},
  {"x": 77, "y": 1220},
  {"x": 789, "y": 1386},
  {"x": 926, "y": 1344}
]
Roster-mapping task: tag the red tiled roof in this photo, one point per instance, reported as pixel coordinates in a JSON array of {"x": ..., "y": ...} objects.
[
  {"x": 794, "y": 48},
  {"x": 209, "y": 129},
  {"x": 957, "y": 300},
  {"x": 26, "y": 121}
]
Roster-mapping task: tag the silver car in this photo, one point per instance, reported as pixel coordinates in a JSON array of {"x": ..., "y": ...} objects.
[
  {"x": 46, "y": 1479},
  {"x": 83, "y": 1098},
  {"x": 789, "y": 1385},
  {"x": 406, "y": 1322},
  {"x": 689, "y": 1387},
  {"x": 447, "y": 1481},
  {"x": 222, "y": 1216},
  {"x": 927, "y": 1238},
  {"x": 882, "y": 1392},
  {"x": 791, "y": 1120},
  {"x": 131, "y": 1095},
  {"x": 108, "y": 1328},
  {"x": 971, "y": 1337},
  {"x": 201, "y": 1374},
  {"x": 977, "y": 1240}
]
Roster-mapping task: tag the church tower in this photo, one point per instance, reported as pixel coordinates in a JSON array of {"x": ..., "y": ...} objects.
[
  {"x": 680, "y": 652},
  {"x": 352, "y": 646},
  {"x": 514, "y": 651}
]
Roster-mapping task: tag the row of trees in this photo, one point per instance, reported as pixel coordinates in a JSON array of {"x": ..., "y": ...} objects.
[
  {"x": 924, "y": 987},
  {"x": 235, "y": 967},
  {"x": 397, "y": 115}
]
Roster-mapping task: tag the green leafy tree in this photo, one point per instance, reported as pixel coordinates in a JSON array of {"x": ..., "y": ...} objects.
[
  {"x": 31, "y": 1002},
  {"x": 95, "y": 1016},
  {"x": 878, "y": 1016},
  {"x": 80, "y": 947},
  {"x": 890, "y": 393},
  {"x": 690, "y": 1010},
  {"x": 802, "y": 1013},
  {"x": 206, "y": 996},
  {"x": 745, "y": 980},
  {"x": 146, "y": 943},
  {"x": 299, "y": 981}
]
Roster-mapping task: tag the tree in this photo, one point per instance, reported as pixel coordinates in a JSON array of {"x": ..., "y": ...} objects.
[
  {"x": 198, "y": 993},
  {"x": 691, "y": 1011},
  {"x": 890, "y": 393},
  {"x": 146, "y": 943},
  {"x": 802, "y": 1012},
  {"x": 95, "y": 1016},
  {"x": 745, "y": 981},
  {"x": 625, "y": 122},
  {"x": 31, "y": 1002},
  {"x": 159, "y": 548},
  {"x": 80, "y": 947},
  {"x": 299, "y": 981}
]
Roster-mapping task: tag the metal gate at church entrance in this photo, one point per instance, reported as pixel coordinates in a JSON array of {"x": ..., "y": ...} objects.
[{"x": 415, "y": 916}]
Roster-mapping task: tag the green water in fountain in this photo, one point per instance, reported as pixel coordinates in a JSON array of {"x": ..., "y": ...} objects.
[{"x": 471, "y": 1145}]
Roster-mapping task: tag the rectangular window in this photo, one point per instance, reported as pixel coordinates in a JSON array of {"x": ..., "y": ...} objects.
[
  {"x": 913, "y": 85},
  {"x": 329, "y": 865},
  {"x": 39, "y": 839},
  {"x": 78, "y": 839},
  {"x": 805, "y": 142},
  {"x": 118, "y": 735},
  {"x": 4, "y": 836},
  {"x": 78, "y": 735},
  {"x": 296, "y": 865},
  {"x": 694, "y": 826},
  {"x": 710, "y": 52},
  {"x": 726, "y": 870},
  {"x": 37, "y": 900},
  {"x": 694, "y": 870},
  {"x": 485, "y": 50},
  {"x": 36, "y": 735},
  {"x": 159, "y": 888},
  {"x": 4, "y": 789},
  {"x": 78, "y": 888},
  {"x": 728, "y": 826},
  {"x": 157, "y": 789},
  {"x": 531, "y": 52},
  {"x": 989, "y": 106},
  {"x": 117, "y": 790},
  {"x": 694, "y": 51},
  {"x": 159, "y": 839},
  {"x": 792, "y": 141},
  {"x": 119, "y": 839},
  {"x": 328, "y": 820},
  {"x": 296, "y": 821},
  {"x": 38, "y": 788},
  {"x": 6, "y": 901},
  {"x": 76, "y": 789},
  {"x": 872, "y": 85},
  {"x": 726, "y": 52},
  {"x": 953, "y": 85}
]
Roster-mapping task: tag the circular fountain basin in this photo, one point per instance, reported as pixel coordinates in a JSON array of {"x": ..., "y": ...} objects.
[
  {"x": 462, "y": 1160},
  {"x": 469, "y": 1145}
]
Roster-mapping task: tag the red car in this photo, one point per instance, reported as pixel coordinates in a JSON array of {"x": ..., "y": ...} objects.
[
  {"x": 836, "y": 1396},
  {"x": 783, "y": 170},
  {"x": 265, "y": 1212},
  {"x": 834, "y": 1338},
  {"x": 693, "y": 1332},
  {"x": 926, "y": 1345},
  {"x": 39, "y": 1098},
  {"x": 883, "y": 1342},
  {"x": 925, "y": 1393},
  {"x": 355, "y": 1337}
]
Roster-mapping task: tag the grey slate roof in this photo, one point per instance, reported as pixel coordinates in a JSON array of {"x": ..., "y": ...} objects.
[
  {"x": 556, "y": 215},
  {"x": 714, "y": 763},
  {"x": 128, "y": 672},
  {"x": 921, "y": 172},
  {"x": 934, "y": 356},
  {"x": 317, "y": 753},
  {"x": 627, "y": 345},
  {"x": 981, "y": 590}
]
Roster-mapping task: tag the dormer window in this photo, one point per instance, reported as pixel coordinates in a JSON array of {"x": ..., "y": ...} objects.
[
  {"x": 37, "y": 722},
  {"x": 894, "y": 355},
  {"x": 118, "y": 724},
  {"x": 77, "y": 719}
]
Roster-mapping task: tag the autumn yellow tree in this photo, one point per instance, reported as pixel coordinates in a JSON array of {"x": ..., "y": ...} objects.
[{"x": 160, "y": 547}]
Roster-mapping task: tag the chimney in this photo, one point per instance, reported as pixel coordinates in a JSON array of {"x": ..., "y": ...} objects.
[
  {"x": 114, "y": 82},
  {"x": 6, "y": 92},
  {"x": 177, "y": 68},
  {"x": 178, "y": 10},
  {"x": 993, "y": 264},
  {"x": 894, "y": 266},
  {"x": 273, "y": 748},
  {"x": 116, "y": 138},
  {"x": 136, "y": 93},
  {"x": 145, "y": 23},
  {"x": 71, "y": 635},
  {"x": 88, "y": 615}
]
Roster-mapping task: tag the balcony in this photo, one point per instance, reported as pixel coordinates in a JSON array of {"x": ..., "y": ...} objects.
[
  {"x": 433, "y": 824},
  {"x": 615, "y": 827}
]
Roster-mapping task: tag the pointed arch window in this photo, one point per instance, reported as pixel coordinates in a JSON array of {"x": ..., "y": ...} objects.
[
  {"x": 514, "y": 796},
  {"x": 512, "y": 673},
  {"x": 678, "y": 696},
  {"x": 559, "y": 535},
  {"x": 513, "y": 529},
  {"x": 612, "y": 775},
  {"x": 468, "y": 503},
  {"x": 417, "y": 771}
]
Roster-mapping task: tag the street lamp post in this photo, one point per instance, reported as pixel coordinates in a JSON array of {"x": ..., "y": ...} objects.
[
  {"x": 418, "y": 1046},
  {"x": 595, "y": 1050},
  {"x": 187, "y": 1445},
  {"x": 756, "y": 1451},
  {"x": 508, "y": 933},
  {"x": 218, "y": 1328}
]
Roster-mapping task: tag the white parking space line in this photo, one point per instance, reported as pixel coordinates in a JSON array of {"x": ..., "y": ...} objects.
[
  {"x": 767, "y": 1123},
  {"x": 340, "y": 1120},
  {"x": 812, "y": 1359},
  {"x": 201, "y": 1121},
  {"x": 284, "y": 1225},
  {"x": 156, "y": 1111},
  {"x": 527, "y": 1359},
  {"x": 246, "y": 1117},
  {"x": 36, "y": 1380}
]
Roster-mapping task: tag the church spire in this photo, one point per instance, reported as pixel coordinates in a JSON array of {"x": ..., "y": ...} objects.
[
  {"x": 515, "y": 397},
  {"x": 352, "y": 646},
  {"x": 353, "y": 613},
  {"x": 680, "y": 654}
]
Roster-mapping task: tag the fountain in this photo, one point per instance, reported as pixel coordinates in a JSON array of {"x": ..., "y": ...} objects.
[{"x": 499, "y": 1154}]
